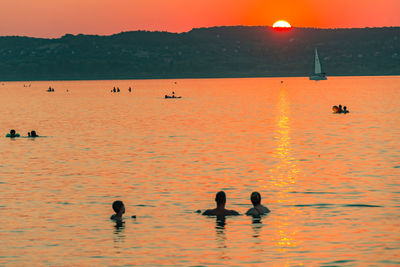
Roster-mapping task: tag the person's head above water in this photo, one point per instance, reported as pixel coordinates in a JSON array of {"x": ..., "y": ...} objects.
[
  {"x": 12, "y": 131},
  {"x": 258, "y": 209},
  {"x": 220, "y": 198},
  {"x": 33, "y": 133},
  {"x": 255, "y": 198},
  {"x": 344, "y": 108},
  {"x": 119, "y": 207}
]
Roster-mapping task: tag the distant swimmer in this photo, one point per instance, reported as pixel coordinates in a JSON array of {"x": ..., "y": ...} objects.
[
  {"x": 220, "y": 199},
  {"x": 114, "y": 90},
  {"x": 258, "y": 209},
  {"x": 12, "y": 134},
  {"x": 345, "y": 111},
  {"x": 118, "y": 89},
  {"x": 130, "y": 89},
  {"x": 33, "y": 134},
  {"x": 119, "y": 208}
]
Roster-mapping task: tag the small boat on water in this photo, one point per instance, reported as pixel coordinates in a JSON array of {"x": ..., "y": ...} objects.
[
  {"x": 318, "y": 75},
  {"x": 172, "y": 96}
]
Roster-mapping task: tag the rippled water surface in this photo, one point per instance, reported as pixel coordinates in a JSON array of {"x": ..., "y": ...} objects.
[{"x": 330, "y": 180}]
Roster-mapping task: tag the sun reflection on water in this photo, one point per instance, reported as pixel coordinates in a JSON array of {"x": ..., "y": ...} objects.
[{"x": 284, "y": 175}]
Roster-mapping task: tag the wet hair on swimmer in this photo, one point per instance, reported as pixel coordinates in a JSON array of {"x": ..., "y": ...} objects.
[
  {"x": 255, "y": 198},
  {"x": 220, "y": 198},
  {"x": 117, "y": 205}
]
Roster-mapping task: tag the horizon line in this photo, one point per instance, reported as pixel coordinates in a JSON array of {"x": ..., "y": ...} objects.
[{"x": 196, "y": 28}]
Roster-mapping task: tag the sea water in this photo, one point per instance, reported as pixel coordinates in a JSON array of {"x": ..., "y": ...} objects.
[{"x": 331, "y": 181}]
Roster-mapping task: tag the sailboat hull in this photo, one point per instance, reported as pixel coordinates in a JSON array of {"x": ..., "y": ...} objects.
[{"x": 316, "y": 77}]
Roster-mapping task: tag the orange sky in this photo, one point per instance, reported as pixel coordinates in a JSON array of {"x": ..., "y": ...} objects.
[{"x": 54, "y": 18}]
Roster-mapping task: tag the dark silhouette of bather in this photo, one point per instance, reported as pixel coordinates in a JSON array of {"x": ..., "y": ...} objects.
[
  {"x": 258, "y": 209},
  {"x": 119, "y": 209},
  {"x": 12, "y": 134},
  {"x": 220, "y": 210},
  {"x": 33, "y": 134}
]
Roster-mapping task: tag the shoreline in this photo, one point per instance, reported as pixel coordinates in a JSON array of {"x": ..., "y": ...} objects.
[{"x": 194, "y": 77}]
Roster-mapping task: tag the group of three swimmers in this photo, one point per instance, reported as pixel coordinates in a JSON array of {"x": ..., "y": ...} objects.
[
  {"x": 116, "y": 90},
  {"x": 220, "y": 211},
  {"x": 339, "y": 109}
]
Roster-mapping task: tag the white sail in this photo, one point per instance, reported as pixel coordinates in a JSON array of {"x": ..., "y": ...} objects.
[{"x": 317, "y": 63}]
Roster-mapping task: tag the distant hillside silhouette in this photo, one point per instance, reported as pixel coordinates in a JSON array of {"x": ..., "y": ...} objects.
[{"x": 237, "y": 51}]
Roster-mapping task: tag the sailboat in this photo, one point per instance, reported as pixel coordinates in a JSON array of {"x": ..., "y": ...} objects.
[{"x": 318, "y": 74}]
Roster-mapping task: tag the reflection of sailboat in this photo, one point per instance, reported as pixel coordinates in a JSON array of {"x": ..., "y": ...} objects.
[{"x": 318, "y": 74}]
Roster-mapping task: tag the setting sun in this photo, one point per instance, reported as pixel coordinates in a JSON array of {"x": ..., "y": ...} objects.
[{"x": 282, "y": 24}]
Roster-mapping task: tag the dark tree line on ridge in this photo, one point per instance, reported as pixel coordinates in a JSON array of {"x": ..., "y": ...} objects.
[{"x": 235, "y": 51}]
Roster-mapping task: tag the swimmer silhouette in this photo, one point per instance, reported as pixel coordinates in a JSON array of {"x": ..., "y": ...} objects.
[
  {"x": 33, "y": 134},
  {"x": 119, "y": 209},
  {"x": 12, "y": 134},
  {"x": 220, "y": 210},
  {"x": 258, "y": 209}
]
